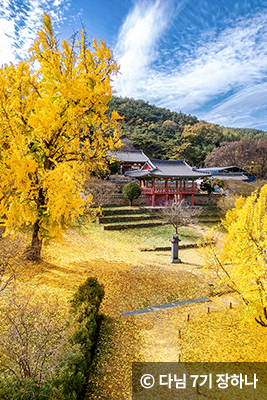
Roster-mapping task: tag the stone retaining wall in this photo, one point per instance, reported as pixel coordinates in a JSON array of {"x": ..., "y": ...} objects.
[
  {"x": 120, "y": 200},
  {"x": 202, "y": 198}
]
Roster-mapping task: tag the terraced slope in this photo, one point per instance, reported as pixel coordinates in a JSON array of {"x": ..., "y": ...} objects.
[
  {"x": 210, "y": 214},
  {"x": 128, "y": 218},
  {"x": 117, "y": 218}
]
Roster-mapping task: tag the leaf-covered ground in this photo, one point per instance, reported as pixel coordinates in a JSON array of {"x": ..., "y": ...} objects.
[
  {"x": 135, "y": 280},
  {"x": 132, "y": 280},
  {"x": 204, "y": 338}
]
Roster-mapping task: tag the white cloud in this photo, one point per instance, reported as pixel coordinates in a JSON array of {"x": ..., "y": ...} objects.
[
  {"x": 19, "y": 25},
  {"x": 137, "y": 42},
  {"x": 227, "y": 63},
  {"x": 7, "y": 27},
  {"x": 249, "y": 107}
]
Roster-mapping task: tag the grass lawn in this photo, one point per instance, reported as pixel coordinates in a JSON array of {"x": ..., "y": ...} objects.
[{"x": 143, "y": 237}]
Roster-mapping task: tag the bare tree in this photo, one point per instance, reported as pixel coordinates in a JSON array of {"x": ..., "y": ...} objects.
[
  {"x": 249, "y": 154},
  {"x": 12, "y": 261},
  {"x": 100, "y": 190},
  {"x": 226, "y": 203},
  {"x": 234, "y": 189},
  {"x": 32, "y": 332},
  {"x": 180, "y": 214},
  {"x": 238, "y": 188}
]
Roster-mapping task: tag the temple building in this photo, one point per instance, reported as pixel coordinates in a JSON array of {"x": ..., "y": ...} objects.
[
  {"x": 128, "y": 160},
  {"x": 164, "y": 181}
]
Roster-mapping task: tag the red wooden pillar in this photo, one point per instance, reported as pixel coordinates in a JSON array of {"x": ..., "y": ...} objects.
[
  {"x": 166, "y": 192},
  {"x": 193, "y": 188},
  {"x": 146, "y": 184},
  {"x": 153, "y": 193},
  {"x": 184, "y": 191},
  {"x": 140, "y": 183},
  {"x": 181, "y": 190}
]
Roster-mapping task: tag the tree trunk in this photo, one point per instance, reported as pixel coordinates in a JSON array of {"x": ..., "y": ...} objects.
[{"x": 33, "y": 252}]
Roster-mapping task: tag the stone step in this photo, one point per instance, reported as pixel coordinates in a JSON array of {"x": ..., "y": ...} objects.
[
  {"x": 210, "y": 216},
  {"x": 123, "y": 211},
  {"x": 124, "y": 218},
  {"x": 210, "y": 220},
  {"x": 119, "y": 227}
]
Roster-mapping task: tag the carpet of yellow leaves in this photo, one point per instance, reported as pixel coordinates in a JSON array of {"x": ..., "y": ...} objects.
[
  {"x": 223, "y": 336},
  {"x": 135, "y": 280},
  {"x": 132, "y": 280}
]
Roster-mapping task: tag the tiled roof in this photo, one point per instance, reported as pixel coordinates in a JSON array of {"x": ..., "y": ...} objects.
[
  {"x": 167, "y": 169},
  {"x": 135, "y": 156},
  {"x": 236, "y": 176}
]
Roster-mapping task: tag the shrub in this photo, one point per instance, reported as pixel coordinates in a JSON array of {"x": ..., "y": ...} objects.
[
  {"x": 12, "y": 262},
  {"x": 32, "y": 336},
  {"x": 84, "y": 320},
  {"x": 131, "y": 191}
]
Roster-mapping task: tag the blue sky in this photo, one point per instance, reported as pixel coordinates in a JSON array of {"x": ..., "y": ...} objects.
[{"x": 206, "y": 58}]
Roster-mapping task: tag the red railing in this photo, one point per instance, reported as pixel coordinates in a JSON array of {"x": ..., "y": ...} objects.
[{"x": 168, "y": 191}]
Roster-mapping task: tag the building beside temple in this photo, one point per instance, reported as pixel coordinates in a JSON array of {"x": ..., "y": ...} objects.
[
  {"x": 164, "y": 181},
  {"x": 231, "y": 172},
  {"x": 129, "y": 160}
]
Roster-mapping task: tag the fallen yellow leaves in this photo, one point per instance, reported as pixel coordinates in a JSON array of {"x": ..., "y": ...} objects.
[
  {"x": 222, "y": 336},
  {"x": 135, "y": 280}
]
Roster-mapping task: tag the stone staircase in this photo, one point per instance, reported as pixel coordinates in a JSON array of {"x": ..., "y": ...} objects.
[{"x": 128, "y": 218}]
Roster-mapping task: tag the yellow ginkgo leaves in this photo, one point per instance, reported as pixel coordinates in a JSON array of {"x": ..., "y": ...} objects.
[
  {"x": 242, "y": 262},
  {"x": 54, "y": 127}
]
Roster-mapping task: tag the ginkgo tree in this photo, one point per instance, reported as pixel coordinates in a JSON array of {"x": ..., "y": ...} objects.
[
  {"x": 54, "y": 126},
  {"x": 242, "y": 262}
]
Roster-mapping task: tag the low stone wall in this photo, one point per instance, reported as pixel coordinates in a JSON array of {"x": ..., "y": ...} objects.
[
  {"x": 202, "y": 198},
  {"x": 120, "y": 200},
  {"x": 181, "y": 246}
]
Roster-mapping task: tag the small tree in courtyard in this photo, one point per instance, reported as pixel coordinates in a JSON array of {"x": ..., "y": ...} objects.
[
  {"x": 131, "y": 191},
  {"x": 180, "y": 214}
]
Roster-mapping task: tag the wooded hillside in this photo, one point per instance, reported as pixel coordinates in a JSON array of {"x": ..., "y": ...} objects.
[
  {"x": 154, "y": 130},
  {"x": 163, "y": 134}
]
